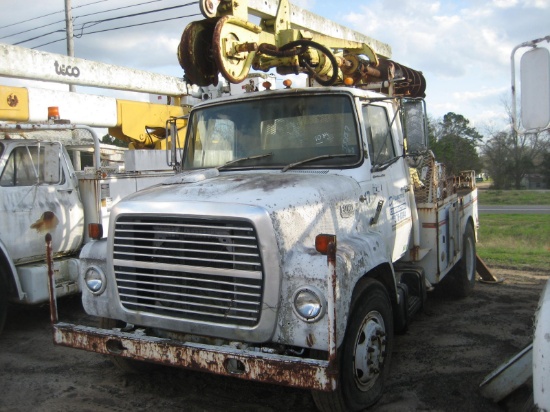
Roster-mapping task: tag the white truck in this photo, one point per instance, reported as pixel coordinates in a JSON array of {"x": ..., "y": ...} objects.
[
  {"x": 304, "y": 228},
  {"x": 44, "y": 189}
]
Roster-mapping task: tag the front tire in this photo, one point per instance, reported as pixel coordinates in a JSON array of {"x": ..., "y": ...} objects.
[
  {"x": 3, "y": 301},
  {"x": 364, "y": 355}
]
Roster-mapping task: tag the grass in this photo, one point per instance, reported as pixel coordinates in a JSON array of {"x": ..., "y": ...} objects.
[
  {"x": 514, "y": 197},
  {"x": 517, "y": 241}
]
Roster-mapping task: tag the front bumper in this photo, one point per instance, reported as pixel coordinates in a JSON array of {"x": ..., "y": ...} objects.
[{"x": 222, "y": 360}]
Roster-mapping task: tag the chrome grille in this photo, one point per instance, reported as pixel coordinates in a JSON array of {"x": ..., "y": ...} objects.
[{"x": 194, "y": 269}]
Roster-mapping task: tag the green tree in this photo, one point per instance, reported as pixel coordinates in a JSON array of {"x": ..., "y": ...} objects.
[
  {"x": 498, "y": 160},
  {"x": 454, "y": 143},
  {"x": 510, "y": 156},
  {"x": 545, "y": 168},
  {"x": 457, "y": 125}
]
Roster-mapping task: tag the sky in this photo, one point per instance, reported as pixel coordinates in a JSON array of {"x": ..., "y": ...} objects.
[{"x": 462, "y": 47}]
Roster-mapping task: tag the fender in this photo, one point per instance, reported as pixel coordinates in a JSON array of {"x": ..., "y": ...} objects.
[
  {"x": 359, "y": 256},
  {"x": 13, "y": 277}
]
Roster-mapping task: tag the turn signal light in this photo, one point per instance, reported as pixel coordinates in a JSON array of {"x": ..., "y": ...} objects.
[
  {"x": 287, "y": 83},
  {"x": 95, "y": 230},
  {"x": 348, "y": 81},
  {"x": 322, "y": 242}
]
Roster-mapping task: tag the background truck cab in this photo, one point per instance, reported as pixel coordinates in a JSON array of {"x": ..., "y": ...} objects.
[
  {"x": 39, "y": 194},
  {"x": 43, "y": 189}
]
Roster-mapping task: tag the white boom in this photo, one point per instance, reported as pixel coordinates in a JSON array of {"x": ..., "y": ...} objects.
[{"x": 23, "y": 63}]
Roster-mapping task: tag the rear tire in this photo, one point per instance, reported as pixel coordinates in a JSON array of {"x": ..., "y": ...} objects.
[
  {"x": 462, "y": 278},
  {"x": 130, "y": 366},
  {"x": 365, "y": 354}
]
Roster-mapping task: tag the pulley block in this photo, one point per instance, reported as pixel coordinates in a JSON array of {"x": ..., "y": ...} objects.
[
  {"x": 209, "y": 8},
  {"x": 234, "y": 44},
  {"x": 195, "y": 53}
]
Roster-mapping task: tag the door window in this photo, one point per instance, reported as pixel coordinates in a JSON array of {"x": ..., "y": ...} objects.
[
  {"x": 24, "y": 167},
  {"x": 381, "y": 148}
]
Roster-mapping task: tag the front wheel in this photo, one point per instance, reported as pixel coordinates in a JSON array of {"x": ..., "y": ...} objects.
[{"x": 364, "y": 355}]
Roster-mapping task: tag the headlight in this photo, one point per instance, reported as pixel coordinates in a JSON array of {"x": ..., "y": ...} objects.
[
  {"x": 309, "y": 304},
  {"x": 95, "y": 280}
]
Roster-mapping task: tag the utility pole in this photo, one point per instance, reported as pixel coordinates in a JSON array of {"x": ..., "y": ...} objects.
[{"x": 70, "y": 37}]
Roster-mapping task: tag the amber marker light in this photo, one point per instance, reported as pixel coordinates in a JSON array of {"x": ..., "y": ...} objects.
[
  {"x": 95, "y": 230},
  {"x": 53, "y": 113},
  {"x": 348, "y": 81},
  {"x": 322, "y": 242},
  {"x": 287, "y": 83}
]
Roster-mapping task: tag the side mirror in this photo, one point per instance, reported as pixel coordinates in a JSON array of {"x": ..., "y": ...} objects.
[
  {"x": 415, "y": 125},
  {"x": 535, "y": 89}
]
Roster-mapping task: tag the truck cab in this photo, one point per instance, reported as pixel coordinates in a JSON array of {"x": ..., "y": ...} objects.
[
  {"x": 39, "y": 194},
  {"x": 287, "y": 166},
  {"x": 56, "y": 179}
]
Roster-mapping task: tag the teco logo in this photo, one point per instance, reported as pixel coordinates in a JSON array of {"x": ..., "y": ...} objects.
[
  {"x": 12, "y": 100},
  {"x": 66, "y": 71}
]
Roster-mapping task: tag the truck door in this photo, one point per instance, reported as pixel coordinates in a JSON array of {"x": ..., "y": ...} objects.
[
  {"x": 389, "y": 178},
  {"x": 38, "y": 196}
]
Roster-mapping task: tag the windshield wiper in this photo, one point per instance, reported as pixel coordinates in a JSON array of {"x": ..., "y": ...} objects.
[
  {"x": 242, "y": 159},
  {"x": 311, "y": 159},
  {"x": 385, "y": 165}
]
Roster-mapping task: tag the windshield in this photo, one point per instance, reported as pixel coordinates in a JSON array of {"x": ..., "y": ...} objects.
[{"x": 302, "y": 131}]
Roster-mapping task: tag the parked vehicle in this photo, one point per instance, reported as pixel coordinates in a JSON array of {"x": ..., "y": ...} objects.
[
  {"x": 57, "y": 177},
  {"x": 304, "y": 227}
]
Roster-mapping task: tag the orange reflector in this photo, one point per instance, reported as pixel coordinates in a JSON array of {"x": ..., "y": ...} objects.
[
  {"x": 267, "y": 85},
  {"x": 53, "y": 113},
  {"x": 348, "y": 81},
  {"x": 287, "y": 83},
  {"x": 95, "y": 230},
  {"x": 322, "y": 242}
]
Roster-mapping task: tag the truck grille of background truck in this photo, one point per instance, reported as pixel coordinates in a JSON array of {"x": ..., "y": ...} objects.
[{"x": 195, "y": 269}]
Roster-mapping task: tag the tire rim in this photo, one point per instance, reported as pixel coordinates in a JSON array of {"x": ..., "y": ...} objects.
[{"x": 369, "y": 351}]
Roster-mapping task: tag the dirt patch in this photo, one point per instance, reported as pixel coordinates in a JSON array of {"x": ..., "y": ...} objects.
[{"x": 437, "y": 365}]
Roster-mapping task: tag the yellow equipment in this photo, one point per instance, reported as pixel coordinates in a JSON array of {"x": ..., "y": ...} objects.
[{"x": 227, "y": 43}]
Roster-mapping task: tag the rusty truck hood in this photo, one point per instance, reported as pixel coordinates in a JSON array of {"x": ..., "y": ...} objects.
[
  {"x": 272, "y": 191},
  {"x": 300, "y": 204},
  {"x": 286, "y": 210}
]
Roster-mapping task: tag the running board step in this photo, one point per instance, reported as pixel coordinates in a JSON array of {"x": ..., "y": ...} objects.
[{"x": 415, "y": 304}]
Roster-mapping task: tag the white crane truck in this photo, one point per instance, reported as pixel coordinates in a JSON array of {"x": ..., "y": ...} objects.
[
  {"x": 304, "y": 228},
  {"x": 43, "y": 189}
]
